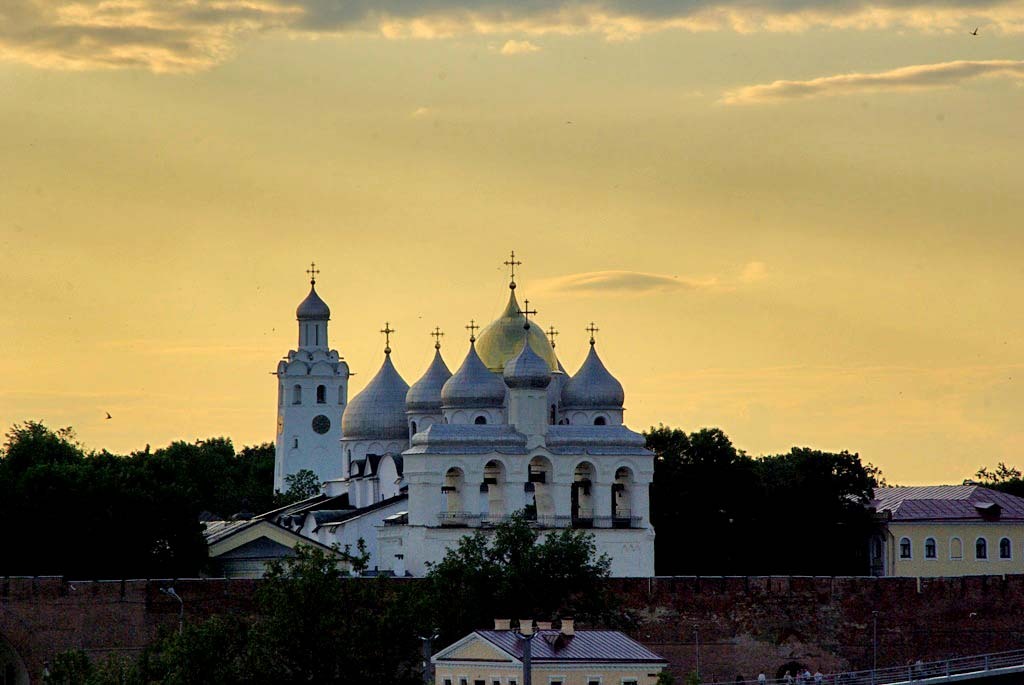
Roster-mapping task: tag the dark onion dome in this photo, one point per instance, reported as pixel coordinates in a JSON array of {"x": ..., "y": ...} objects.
[
  {"x": 473, "y": 386},
  {"x": 501, "y": 339},
  {"x": 378, "y": 412},
  {"x": 527, "y": 369},
  {"x": 425, "y": 394},
  {"x": 313, "y": 308},
  {"x": 592, "y": 387}
]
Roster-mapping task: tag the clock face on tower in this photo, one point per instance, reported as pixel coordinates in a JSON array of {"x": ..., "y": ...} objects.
[{"x": 321, "y": 424}]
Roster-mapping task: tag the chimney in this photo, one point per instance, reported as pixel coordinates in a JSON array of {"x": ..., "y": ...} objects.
[
  {"x": 543, "y": 625},
  {"x": 503, "y": 624},
  {"x": 567, "y": 627},
  {"x": 526, "y": 626}
]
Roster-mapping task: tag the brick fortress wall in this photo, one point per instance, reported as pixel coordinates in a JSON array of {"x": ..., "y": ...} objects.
[{"x": 743, "y": 625}]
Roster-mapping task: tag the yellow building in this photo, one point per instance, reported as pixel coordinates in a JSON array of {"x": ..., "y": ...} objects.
[
  {"x": 558, "y": 657},
  {"x": 947, "y": 530}
]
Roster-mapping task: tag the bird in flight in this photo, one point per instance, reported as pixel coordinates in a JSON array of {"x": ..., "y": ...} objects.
[
  {"x": 975, "y": 31},
  {"x": 109, "y": 416}
]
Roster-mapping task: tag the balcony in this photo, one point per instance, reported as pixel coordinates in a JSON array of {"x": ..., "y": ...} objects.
[{"x": 457, "y": 519}]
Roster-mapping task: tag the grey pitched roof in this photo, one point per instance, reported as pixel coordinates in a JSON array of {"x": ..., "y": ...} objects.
[
  {"x": 595, "y": 440},
  {"x": 313, "y": 308},
  {"x": 595, "y": 646},
  {"x": 425, "y": 394},
  {"x": 378, "y": 412},
  {"x": 593, "y": 387},
  {"x": 451, "y": 438},
  {"x": 948, "y": 503}
]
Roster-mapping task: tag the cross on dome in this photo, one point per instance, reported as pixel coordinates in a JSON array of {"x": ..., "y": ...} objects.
[
  {"x": 527, "y": 313},
  {"x": 551, "y": 334},
  {"x": 387, "y": 331},
  {"x": 437, "y": 335},
  {"x": 512, "y": 264},
  {"x": 472, "y": 328},
  {"x": 313, "y": 273},
  {"x": 592, "y": 329}
]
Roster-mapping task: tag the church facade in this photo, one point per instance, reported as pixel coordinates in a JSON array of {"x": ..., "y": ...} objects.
[{"x": 410, "y": 470}]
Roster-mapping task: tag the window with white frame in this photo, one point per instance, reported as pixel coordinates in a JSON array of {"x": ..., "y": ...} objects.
[
  {"x": 905, "y": 548},
  {"x": 981, "y": 548},
  {"x": 956, "y": 548},
  {"x": 1005, "y": 549},
  {"x": 931, "y": 551}
]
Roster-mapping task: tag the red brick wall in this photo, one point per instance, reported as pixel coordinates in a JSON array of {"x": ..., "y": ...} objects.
[{"x": 744, "y": 624}]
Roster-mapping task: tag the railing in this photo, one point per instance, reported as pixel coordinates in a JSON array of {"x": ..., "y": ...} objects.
[
  {"x": 921, "y": 671},
  {"x": 462, "y": 519}
]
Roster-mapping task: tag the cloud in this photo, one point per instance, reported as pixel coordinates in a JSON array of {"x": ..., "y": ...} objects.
[
  {"x": 641, "y": 283},
  {"x": 190, "y": 35},
  {"x": 421, "y": 112},
  {"x": 917, "y": 77},
  {"x": 518, "y": 47}
]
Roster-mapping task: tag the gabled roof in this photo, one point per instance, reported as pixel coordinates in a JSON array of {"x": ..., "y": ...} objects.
[
  {"x": 948, "y": 503},
  {"x": 586, "y": 646},
  {"x": 224, "y": 536}
]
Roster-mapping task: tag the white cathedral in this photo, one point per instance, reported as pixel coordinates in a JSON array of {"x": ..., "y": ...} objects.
[{"x": 410, "y": 470}]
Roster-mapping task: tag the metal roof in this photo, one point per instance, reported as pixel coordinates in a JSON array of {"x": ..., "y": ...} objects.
[
  {"x": 948, "y": 503},
  {"x": 584, "y": 646}
]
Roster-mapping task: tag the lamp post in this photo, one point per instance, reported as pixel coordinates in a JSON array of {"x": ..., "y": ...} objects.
[
  {"x": 874, "y": 645},
  {"x": 169, "y": 591},
  {"x": 427, "y": 649},
  {"x": 696, "y": 640}
]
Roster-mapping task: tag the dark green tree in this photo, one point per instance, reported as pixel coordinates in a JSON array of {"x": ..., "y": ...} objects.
[{"x": 514, "y": 574}]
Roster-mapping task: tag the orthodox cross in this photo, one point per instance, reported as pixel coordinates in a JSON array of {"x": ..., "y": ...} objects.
[
  {"x": 437, "y": 335},
  {"x": 472, "y": 328},
  {"x": 512, "y": 264},
  {"x": 527, "y": 312},
  {"x": 387, "y": 331},
  {"x": 313, "y": 272},
  {"x": 592, "y": 329},
  {"x": 551, "y": 334}
]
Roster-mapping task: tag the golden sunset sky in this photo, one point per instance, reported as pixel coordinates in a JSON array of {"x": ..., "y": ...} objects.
[{"x": 799, "y": 221}]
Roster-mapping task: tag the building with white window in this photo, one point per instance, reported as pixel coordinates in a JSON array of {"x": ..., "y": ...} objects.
[
  {"x": 414, "y": 469},
  {"x": 557, "y": 657},
  {"x": 947, "y": 530}
]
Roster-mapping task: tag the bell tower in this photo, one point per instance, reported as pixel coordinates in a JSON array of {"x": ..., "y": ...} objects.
[{"x": 312, "y": 391}]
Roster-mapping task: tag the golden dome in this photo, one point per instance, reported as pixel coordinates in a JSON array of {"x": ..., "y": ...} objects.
[{"x": 502, "y": 339}]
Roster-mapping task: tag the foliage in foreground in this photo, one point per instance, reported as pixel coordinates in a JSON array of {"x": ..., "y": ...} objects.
[{"x": 718, "y": 511}]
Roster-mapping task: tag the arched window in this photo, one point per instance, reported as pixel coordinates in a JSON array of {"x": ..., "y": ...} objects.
[
  {"x": 341, "y": 394},
  {"x": 412, "y": 429},
  {"x": 956, "y": 548},
  {"x": 905, "y": 548},
  {"x": 1005, "y": 549},
  {"x": 280, "y": 394},
  {"x": 317, "y": 329},
  {"x": 981, "y": 548},
  {"x": 321, "y": 394},
  {"x": 295, "y": 444},
  {"x": 297, "y": 394},
  {"x": 930, "y": 549},
  {"x": 553, "y": 415},
  {"x": 600, "y": 421},
  {"x": 480, "y": 420}
]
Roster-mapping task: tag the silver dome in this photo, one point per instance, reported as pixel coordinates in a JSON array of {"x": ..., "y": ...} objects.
[
  {"x": 592, "y": 387},
  {"x": 473, "y": 386},
  {"x": 527, "y": 369},
  {"x": 313, "y": 308},
  {"x": 425, "y": 394},
  {"x": 378, "y": 412}
]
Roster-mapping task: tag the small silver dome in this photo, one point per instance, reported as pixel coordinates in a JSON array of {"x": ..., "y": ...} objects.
[
  {"x": 425, "y": 394},
  {"x": 378, "y": 412},
  {"x": 593, "y": 387},
  {"x": 527, "y": 369},
  {"x": 313, "y": 308},
  {"x": 473, "y": 386}
]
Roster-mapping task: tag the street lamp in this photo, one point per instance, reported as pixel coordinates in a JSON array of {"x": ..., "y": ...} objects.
[
  {"x": 874, "y": 645},
  {"x": 696, "y": 640},
  {"x": 169, "y": 591}
]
